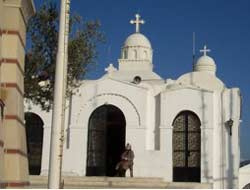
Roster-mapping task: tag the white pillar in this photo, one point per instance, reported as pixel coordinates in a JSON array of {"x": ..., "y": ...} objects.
[
  {"x": 217, "y": 144},
  {"x": 236, "y": 135},
  {"x": 150, "y": 139},
  {"x": 57, "y": 118}
]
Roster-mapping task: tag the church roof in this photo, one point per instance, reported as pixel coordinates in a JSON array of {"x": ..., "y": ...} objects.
[
  {"x": 202, "y": 80},
  {"x": 205, "y": 63},
  {"x": 137, "y": 39}
]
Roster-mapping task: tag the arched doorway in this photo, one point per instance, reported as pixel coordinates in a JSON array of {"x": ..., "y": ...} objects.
[
  {"x": 247, "y": 186},
  {"x": 34, "y": 139},
  {"x": 186, "y": 147},
  {"x": 106, "y": 140}
]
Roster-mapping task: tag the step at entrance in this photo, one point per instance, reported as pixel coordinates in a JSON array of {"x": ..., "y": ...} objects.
[{"x": 116, "y": 182}]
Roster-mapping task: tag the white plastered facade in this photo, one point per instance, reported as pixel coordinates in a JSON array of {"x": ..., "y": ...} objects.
[{"x": 150, "y": 107}]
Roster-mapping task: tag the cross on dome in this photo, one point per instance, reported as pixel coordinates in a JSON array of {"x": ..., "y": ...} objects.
[
  {"x": 137, "y": 23},
  {"x": 205, "y": 50}
]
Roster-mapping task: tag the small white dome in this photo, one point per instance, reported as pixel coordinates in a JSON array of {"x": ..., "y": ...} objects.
[
  {"x": 205, "y": 64},
  {"x": 137, "y": 39}
]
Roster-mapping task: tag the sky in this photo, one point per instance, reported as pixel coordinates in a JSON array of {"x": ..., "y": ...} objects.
[{"x": 223, "y": 25}]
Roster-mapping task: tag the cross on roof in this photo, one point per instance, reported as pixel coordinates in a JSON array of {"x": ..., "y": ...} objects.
[
  {"x": 137, "y": 22},
  {"x": 110, "y": 69},
  {"x": 205, "y": 50}
]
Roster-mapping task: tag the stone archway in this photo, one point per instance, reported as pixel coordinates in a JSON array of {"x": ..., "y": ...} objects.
[
  {"x": 186, "y": 147},
  {"x": 106, "y": 140},
  {"x": 34, "y": 138}
]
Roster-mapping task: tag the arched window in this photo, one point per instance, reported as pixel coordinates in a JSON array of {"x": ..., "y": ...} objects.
[
  {"x": 135, "y": 54},
  {"x": 145, "y": 54},
  {"x": 125, "y": 54}
]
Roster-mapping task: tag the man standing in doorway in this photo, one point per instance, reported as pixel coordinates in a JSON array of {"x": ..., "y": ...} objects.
[{"x": 127, "y": 161}]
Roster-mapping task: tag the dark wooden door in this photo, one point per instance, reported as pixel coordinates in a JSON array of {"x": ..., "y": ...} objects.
[
  {"x": 97, "y": 143},
  {"x": 34, "y": 137},
  {"x": 106, "y": 140},
  {"x": 186, "y": 147}
]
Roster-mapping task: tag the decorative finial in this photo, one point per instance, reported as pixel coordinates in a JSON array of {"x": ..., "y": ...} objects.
[
  {"x": 137, "y": 23},
  {"x": 110, "y": 69},
  {"x": 205, "y": 50}
]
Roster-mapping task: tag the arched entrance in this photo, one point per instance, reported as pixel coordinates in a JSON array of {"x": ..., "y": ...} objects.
[
  {"x": 247, "y": 186},
  {"x": 186, "y": 147},
  {"x": 34, "y": 139},
  {"x": 106, "y": 140}
]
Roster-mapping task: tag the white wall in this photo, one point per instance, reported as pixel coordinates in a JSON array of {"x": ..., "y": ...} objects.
[
  {"x": 149, "y": 117},
  {"x": 130, "y": 99},
  {"x": 231, "y": 152},
  {"x": 199, "y": 102},
  {"x": 47, "y": 119}
]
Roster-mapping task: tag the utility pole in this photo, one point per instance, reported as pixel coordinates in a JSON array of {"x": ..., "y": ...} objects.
[{"x": 57, "y": 130}]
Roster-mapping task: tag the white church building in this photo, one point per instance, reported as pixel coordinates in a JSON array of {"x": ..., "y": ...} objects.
[{"x": 181, "y": 130}]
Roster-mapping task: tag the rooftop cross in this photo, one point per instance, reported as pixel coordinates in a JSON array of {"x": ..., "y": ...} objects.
[
  {"x": 205, "y": 50},
  {"x": 137, "y": 23},
  {"x": 110, "y": 69}
]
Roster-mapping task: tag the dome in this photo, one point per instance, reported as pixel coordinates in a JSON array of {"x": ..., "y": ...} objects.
[
  {"x": 136, "y": 52},
  {"x": 137, "y": 39},
  {"x": 205, "y": 63},
  {"x": 205, "y": 60}
]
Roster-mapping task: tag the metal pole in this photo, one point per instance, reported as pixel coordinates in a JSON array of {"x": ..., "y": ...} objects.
[
  {"x": 66, "y": 34},
  {"x": 57, "y": 119},
  {"x": 193, "y": 56}
]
